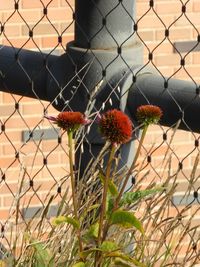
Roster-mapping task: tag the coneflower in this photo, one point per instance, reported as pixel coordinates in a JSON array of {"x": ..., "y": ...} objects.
[
  {"x": 115, "y": 126},
  {"x": 69, "y": 120},
  {"x": 148, "y": 114}
]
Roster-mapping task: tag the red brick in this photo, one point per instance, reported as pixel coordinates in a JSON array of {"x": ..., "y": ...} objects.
[
  {"x": 4, "y": 214},
  {"x": 172, "y": 7},
  {"x": 7, "y": 188},
  {"x": 51, "y": 42},
  {"x": 65, "y": 3},
  {"x": 41, "y": 29},
  {"x": 176, "y": 34},
  {"x": 9, "y": 162},
  {"x": 142, "y": 8},
  {"x": 21, "y": 16},
  {"x": 10, "y": 134},
  {"x": 148, "y": 35},
  {"x": 60, "y": 14},
  {"x": 24, "y": 200},
  {"x": 196, "y": 58},
  {"x": 49, "y": 145},
  {"x": 186, "y": 21},
  {"x": 1, "y": 97},
  {"x": 7, "y": 110},
  {"x": 168, "y": 60},
  {"x": 18, "y": 123},
  {"x": 37, "y": 159},
  {"x": 192, "y": 70},
  {"x": 12, "y": 30},
  {"x": 44, "y": 185},
  {"x": 57, "y": 171},
  {"x": 24, "y": 42},
  {"x": 27, "y": 109},
  {"x": 6, "y": 4},
  {"x": 38, "y": 4},
  {"x": 149, "y": 20},
  {"x": 8, "y": 98},
  {"x": 196, "y": 6}
]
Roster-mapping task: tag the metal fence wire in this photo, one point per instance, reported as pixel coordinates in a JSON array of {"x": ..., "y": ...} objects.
[{"x": 93, "y": 56}]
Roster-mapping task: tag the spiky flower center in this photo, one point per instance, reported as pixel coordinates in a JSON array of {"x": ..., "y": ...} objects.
[{"x": 115, "y": 126}]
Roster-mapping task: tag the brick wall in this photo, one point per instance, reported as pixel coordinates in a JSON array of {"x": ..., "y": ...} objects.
[
  {"x": 29, "y": 115},
  {"x": 183, "y": 32}
]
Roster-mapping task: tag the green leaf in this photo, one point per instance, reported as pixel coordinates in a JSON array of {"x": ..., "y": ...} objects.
[
  {"x": 126, "y": 219},
  {"x": 93, "y": 207},
  {"x": 42, "y": 255},
  {"x": 109, "y": 205},
  {"x": 109, "y": 246},
  {"x": 112, "y": 188},
  {"x": 126, "y": 259},
  {"x": 120, "y": 263},
  {"x": 79, "y": 264},
  {"x": 59, "y": 220},
  {"x": 89, "y": 209},
  {"x": 65, "y": 219},
  {"x": 131, "y": 197},
  {"x": 89, "y": 214},
  {"x": 73, "y": 222},
  {"x": 85, "y": 253},
  {"x": 93, "y": 231}
]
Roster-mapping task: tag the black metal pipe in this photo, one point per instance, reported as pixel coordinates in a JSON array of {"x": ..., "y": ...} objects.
[
  {"x": 179, "y": 100},
  {"x": 24, "y": 72},
  {"x": 104, "y": 24}
]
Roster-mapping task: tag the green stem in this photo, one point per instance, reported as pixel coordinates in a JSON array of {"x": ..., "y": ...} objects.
[
  {"x": 126, "y": 178},
  {"x": 133, "y": 165},
  {"x": 104, "y": 200},
  {"x": 73, "y": 186}
]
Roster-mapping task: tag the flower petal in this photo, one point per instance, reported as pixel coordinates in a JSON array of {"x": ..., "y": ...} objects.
[{"x": 50, "y": 118}]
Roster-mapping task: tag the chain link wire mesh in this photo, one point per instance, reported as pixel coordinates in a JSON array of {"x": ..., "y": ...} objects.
[{"x": 33, "y": 164}]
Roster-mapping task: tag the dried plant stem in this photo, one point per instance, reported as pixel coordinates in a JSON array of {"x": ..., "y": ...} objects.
[
  {"x": 144, "y": 131},
  {"x": 73, "y": 186},
  {"x": 103, "y": 205}
]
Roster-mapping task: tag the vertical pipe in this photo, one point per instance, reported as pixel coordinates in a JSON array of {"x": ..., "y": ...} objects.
[
  {"x": 104, "y": 24},
  {"x": 104, "y": 34}
]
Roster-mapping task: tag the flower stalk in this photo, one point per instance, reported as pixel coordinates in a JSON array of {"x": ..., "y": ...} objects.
[
  {"x": 104, "y": 201},
  {"x": 73, "y": 187},
  {"x": 105, "y": 192},
  {"x": 70, "y": 122},
  {"x": 116, "y": 128},
  {"x": 146, "y": 115},
  {"x": 133, "y": 165}
]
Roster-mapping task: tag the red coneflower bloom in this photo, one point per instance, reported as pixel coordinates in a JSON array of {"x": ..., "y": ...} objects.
[
  {"x": 148, "y": 114},
  {"x": 115, "y": 126},
  {"x": 69, "y": 120}
]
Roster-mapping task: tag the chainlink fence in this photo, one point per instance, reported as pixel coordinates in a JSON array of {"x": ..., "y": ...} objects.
[{"x": 34, "y": 158}]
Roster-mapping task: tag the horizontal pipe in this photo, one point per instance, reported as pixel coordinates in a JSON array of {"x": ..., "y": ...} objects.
[
  {"x": 178, "y": 99},
  {"x": 24, "y": 72}
]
